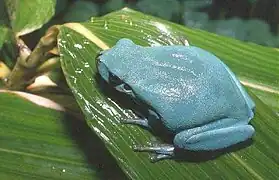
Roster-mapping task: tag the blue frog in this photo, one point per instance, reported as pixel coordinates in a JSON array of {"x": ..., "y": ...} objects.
[{"x": 191, "y": 91}]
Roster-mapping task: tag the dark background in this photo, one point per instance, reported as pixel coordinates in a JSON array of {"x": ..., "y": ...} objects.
[{"x": 247, "y": 20}]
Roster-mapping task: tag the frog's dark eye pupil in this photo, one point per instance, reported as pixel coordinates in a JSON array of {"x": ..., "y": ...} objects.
[
  {"x": 127, "y": 87},
  {"x": 114, "y": 80}
]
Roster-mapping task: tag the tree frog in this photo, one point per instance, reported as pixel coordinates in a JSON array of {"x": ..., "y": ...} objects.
[{"x": 191, "y": 91}]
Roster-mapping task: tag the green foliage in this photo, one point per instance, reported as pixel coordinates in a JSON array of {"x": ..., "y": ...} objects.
[
  {"x": 113, "y": 5},
  {"x": 103, "y": 110},
  {"x": 196, "y": 19},
  {"x": 232, "y": 28},
  {"x": 61, "y": 6},
  {"x": 253, "y": 30},
  {"x": 7, "y": 46},
  {"x": 80, "y": 11},
  {"x": 3, "y": 14},
  {"x": 22, "y": 12},
  {"x": 165, "y": 9},
  {"x": 195, "y": 5},
  {"x": 42, "y": 143},
  {"x": 259, "y": 32}
]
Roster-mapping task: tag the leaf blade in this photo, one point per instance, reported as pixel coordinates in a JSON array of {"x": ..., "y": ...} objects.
[
  {"x": 26, "y": 16},
  {"x": 42, "y": 143},
  {"x": 103, "y": 112}
]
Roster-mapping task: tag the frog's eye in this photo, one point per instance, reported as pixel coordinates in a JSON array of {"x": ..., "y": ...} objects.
[
  {"x": 126, "y": 87},
  {"x": 97, "y": 59},
  {"x": 114, "y": 80}
]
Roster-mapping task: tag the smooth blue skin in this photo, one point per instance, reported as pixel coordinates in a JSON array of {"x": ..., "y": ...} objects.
[{"x": 193, "y": 93}]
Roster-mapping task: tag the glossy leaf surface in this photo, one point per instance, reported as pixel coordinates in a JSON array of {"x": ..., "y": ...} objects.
[
  {"x": 256, "y": 66},
  {"x": 26, "y": 16},
  {"x": 41, "y": 143}
]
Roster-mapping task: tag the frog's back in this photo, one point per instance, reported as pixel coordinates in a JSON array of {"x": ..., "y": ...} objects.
[{"x": 186, "y": 85}]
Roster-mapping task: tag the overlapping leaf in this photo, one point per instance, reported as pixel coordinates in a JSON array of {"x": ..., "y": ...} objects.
[
  {"x": 40, "y": 143},
  {"x": 7, "y": 46},
  {"x": 26, "y": 16},
  {"x": 256, "y": 66}
]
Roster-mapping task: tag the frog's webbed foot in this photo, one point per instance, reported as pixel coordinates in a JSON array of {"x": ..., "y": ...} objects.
[{"x": 162, "y": 151}]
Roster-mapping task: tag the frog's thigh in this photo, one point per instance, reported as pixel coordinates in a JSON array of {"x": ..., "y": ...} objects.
[
  {"x": 217, "y": 135},
  {"x": 248, "y": 99}
]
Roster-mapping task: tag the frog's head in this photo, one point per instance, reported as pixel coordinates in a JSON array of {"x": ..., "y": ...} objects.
[{"x": 112, "y": 69}]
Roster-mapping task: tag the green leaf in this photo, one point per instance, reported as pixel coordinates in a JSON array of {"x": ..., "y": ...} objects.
[
  {"x": 7, "y": 46},
  {"x": 262, "y": 35},
  {"x": 232, "y": 28},
  {"x": 256, "y": 66},
  {"x": 195, "y": 5},
  {"x": 58, "y": 94},
  {"x": 80, "y": 11},
  {"x": 41, "y": 143},
  {"x": 113, "y": 5},
  {"x": 4, "y": 19},
  {"x": 165, "y": 9},
  {"x": 195, "y": 19},
  {"x": 26, "y": 16}
]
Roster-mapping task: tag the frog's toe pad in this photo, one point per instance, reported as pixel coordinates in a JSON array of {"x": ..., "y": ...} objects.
[
  {"x": 138, "y": 148},
  {"x": 157, "y": 157}
]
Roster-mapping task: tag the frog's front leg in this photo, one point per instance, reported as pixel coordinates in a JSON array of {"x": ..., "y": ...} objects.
[
  {"x": 144, "y": 122},
  {"x": 217, "y": 135},
  {"x": 138, "y": 121},
  {"x": 163, "y": 151}
]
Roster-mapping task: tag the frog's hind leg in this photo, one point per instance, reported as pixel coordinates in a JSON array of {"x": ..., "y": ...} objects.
[
  {"x": 246, "y": 96},
  {"x": 217, "y": 135}
]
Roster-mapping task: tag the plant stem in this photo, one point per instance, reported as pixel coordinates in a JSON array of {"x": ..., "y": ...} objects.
[
  {"x": 48, "y": 65},
  {"x": 25, "y": 70}
]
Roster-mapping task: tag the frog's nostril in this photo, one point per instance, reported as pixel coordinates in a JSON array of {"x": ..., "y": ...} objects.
[{"x": 126, "y": 87}]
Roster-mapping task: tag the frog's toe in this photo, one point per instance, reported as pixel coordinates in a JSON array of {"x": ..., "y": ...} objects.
[
  {"x": 161, "y": 152},
  {"x": 158, "y": 149},
  {"x": 157, "y": 157},
  {"x": 138, "y": 121}
]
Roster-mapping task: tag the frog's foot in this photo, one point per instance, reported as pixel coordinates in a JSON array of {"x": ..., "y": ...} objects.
[
  {"x": 138, "y": 121},
  {"x": 162, "y": 151}
]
